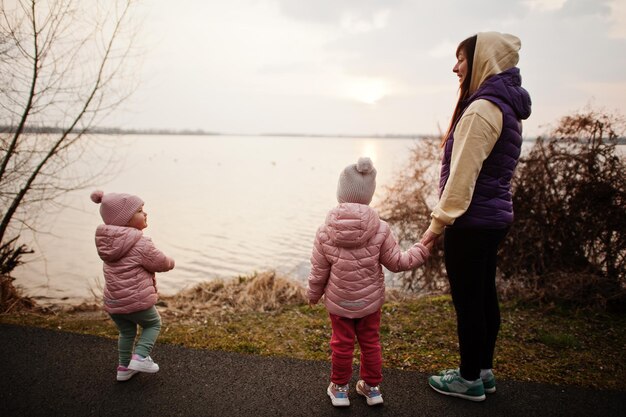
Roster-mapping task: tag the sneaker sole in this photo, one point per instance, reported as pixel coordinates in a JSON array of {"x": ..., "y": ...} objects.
[
  {"x": 490, "y": 390},
  {"x": 127, "y": 376},
  {"x": 370, "y": 401},
  {"x": 459, "y": 395},
  {"x": 337, "y": 402}
]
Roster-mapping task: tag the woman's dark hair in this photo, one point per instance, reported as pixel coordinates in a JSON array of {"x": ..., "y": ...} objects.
[{"x": 468, "y": 46}]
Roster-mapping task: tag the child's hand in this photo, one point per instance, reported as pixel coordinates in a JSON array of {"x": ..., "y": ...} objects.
[{"x": 311, "y": 303}]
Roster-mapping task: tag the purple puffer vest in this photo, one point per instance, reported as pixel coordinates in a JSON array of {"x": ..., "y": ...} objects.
[{"x": 492, "y": 206}]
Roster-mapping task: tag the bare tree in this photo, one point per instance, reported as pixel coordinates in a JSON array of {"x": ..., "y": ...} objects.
[{"x": 62, "y": 66}]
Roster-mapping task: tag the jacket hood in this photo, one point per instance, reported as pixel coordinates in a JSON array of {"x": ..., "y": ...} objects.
[
  {"x": 113, "y": 242},
  {"x": 495, "y": 52},
  {"x": 351, "y": 225}
]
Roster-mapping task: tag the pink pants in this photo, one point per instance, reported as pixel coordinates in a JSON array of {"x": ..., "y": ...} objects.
[{"x": 366, "y": 330}]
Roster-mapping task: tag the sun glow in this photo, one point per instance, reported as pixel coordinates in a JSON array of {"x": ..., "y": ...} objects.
[
  {"x": 369, "y": 149},
  {"x": 367, "y": 90}
]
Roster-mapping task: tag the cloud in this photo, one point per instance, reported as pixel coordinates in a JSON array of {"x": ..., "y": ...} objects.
[
  {"x": 444, "y": 49},
  {"x": 333, "y": 11},
  {"x": 356, "y": 24},
  {"x": 545, "y": 5},
  {"x": 610, "y": 94},
  {"x": 617, "y": 19}
]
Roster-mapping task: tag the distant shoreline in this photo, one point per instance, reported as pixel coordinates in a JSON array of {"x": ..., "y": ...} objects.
[{"x": 200, "y": 132}]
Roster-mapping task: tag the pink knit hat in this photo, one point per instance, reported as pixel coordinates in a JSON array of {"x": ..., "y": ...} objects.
[{"x": 116, "y": 209}]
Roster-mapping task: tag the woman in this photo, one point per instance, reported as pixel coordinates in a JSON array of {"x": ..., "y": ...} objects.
[{"x": 475, "y": 210}]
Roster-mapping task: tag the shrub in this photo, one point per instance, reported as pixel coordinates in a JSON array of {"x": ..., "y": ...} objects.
[
  {"x": 407, "y": 206},
  {"x": 568, "y": 241},
  {"x": 11, "y": 256}
]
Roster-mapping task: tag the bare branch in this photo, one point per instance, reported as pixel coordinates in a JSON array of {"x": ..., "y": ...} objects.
[{"x": 67, "y": 87}]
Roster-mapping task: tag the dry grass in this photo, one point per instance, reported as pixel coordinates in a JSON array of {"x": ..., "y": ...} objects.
[{"x": 262, "y": 292}]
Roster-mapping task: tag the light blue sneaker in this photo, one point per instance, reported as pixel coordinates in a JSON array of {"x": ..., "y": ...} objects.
[{"x": 453, "y": 384}]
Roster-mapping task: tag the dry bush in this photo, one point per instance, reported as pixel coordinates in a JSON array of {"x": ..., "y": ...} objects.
[
  {"x": 568, "y": 241},
  {"x": 260, "y": 292},
  {"x": 10, "y": 297},
  {"x": 407, "y": 206},
  {"x": 11, "y": 255}
]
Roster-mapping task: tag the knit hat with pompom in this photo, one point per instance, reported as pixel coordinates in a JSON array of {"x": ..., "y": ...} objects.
[
  {"x": 357, "y": 182},
  {"x": 116, "y": 209}
]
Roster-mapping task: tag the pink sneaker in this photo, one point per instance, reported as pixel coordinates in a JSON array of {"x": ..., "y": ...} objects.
[
  {"x": 141, "y": 364},
  {"x": 124, "y": 374}
]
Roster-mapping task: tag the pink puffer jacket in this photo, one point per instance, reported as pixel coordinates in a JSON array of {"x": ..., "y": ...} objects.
[
  {"x": 348, "y": 254},
  {"x": 130, "y": 262}
]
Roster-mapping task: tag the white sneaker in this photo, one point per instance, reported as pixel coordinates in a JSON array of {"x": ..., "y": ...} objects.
[
  {"x": 141, "y": 364},
  {"x": 124, "y": 374}
]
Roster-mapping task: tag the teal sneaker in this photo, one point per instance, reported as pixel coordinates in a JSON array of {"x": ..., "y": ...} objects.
[
  {"x": 489, "y": 379},
  {"x": 454, "y": 385}
]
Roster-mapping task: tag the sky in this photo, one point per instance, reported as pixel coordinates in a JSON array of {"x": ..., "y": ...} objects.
[{"x": 361, "y": 66}]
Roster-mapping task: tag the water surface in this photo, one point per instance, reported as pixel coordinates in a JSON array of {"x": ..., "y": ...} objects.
[{"x": 221, "y": 206}]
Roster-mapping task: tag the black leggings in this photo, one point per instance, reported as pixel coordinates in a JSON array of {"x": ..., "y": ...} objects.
[{"x": 470, "y": 257}]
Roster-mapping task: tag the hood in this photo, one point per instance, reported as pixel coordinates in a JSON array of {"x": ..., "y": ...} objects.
[
  {"x": 113, "y": 242},
  {"x": 495, "y": 52},
  {"x": 507, "y": 86},
  {"x": 351, "y": 225}
]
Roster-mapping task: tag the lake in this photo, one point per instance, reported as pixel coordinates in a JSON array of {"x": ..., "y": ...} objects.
[{"x": 221, "y": 206}]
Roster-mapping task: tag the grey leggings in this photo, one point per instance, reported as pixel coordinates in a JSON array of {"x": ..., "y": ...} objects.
[{"x": 150, "y": 322}]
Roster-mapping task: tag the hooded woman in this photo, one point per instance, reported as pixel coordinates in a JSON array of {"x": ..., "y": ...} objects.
[{"x": 475, "y": 209}]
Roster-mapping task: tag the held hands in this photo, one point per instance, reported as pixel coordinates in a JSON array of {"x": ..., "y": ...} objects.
[{"x": 428, "y": 239}]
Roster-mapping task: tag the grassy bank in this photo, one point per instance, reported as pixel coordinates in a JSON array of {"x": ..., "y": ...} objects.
[{"x": 267, "y": 315}]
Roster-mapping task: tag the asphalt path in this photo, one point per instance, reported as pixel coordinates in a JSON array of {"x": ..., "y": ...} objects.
[{"x": 53, "y": 373}]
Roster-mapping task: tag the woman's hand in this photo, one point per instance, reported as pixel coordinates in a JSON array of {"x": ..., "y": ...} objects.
[{"x": 429, "y": 238}]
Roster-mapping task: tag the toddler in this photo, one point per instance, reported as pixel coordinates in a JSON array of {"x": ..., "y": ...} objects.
[
  {"x": 346, "y": 267},
  {"x": 130, "y": 293}
]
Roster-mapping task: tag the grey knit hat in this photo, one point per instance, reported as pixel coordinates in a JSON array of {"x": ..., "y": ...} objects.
[{"x": 357, "y": 182}]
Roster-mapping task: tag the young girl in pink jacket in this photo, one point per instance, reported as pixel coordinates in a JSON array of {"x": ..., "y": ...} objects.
[
  {"x": 350, "y": 249},
  {"x": 130, "y": 293}
]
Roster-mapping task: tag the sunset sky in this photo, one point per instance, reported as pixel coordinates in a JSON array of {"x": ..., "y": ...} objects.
[{"x": 361, "y": 66}]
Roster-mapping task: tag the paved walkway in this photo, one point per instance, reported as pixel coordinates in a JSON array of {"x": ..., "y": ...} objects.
[{"x": 50, "y": 373}]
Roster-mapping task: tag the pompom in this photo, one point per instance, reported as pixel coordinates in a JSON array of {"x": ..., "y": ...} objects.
[
  {"x": 364, "y": 165},
  {"x": 96, "y": 196}
]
